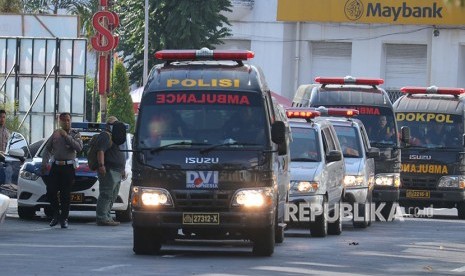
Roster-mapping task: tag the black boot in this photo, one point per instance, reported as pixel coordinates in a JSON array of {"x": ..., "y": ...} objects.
[
  {"x": 54, "y": 220},
  {"x": 64, "y": 223}
]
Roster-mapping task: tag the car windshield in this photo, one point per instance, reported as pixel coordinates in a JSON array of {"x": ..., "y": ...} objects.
[
  {"x": 201, "y": 119},
  {"x": 379, "y": 123},
  {"x": 304, "y": 146},
  {"x": 349, "y": 140},
  {"x": 432, "y": 130}
]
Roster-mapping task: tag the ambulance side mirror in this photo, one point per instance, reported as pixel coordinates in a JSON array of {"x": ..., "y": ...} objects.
[
  {"x": 405, "y": 132},
  {"x": 278, "y": 132},
  {"x": 463, "y": 140}
]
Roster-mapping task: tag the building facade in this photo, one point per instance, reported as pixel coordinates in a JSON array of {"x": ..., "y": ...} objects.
[{"x": 417, "y": 42}]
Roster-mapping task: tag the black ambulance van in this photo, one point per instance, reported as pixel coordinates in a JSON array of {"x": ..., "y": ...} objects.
[
  {"x": 433, "y": 163},
  {"x": 211, "y": 158},
  {"x": 377, "y": 114}
]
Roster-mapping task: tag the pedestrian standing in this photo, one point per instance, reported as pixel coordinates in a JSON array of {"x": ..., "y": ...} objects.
[
  {"x": 4, "y": 132},
  {"x": 61, "y": 149},
  {"x": 111, "y": 171}
]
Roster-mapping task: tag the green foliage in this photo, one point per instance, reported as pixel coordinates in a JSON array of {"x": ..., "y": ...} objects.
[
  {"x": 10, "y": 6},
  {"x": 12, "y": 121},
  {"x": 119, "y": 100},
  {"x": 173, "y": 24}
]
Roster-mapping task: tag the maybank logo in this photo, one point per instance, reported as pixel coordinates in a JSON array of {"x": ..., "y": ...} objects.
[{"x": 354, "y": 9}]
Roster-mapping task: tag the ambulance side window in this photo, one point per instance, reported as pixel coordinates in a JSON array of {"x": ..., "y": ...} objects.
[{"x": 330, "y": 139}]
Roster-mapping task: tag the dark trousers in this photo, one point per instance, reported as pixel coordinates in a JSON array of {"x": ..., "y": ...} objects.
[{"x": 60, "y": 179}]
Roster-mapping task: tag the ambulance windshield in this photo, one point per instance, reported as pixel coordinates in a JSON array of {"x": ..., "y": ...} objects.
[
  {"x": 202, "y": 119},
  {"x": 432, "y": 130}
]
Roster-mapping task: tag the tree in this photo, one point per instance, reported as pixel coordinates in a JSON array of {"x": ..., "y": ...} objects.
[
  {"x": 119, "y": 100},
  {"x": 49, "y": 6},
  {"x": 173, "y": 24},
  {"x": 11, "y": 6}
]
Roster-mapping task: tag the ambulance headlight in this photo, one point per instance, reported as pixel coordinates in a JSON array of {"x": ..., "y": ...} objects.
[
  {"x": 303, "y": 187},
  {"x": 452, "y": 181},
  {"x": 354, "y": 181},
  {"x": 253, "y": 197},
  {"x": 387, "y": 179},
  {"x": 150, "y": 197}
]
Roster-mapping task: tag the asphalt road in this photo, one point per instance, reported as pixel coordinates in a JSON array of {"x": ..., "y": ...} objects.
[{"x": 406, "y": 246}]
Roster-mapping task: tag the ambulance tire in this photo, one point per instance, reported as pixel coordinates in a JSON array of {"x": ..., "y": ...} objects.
[
  {"x": 461, "y": 210},
  {"x": 385, "y": 212},
  {"x": 264, "y": 241},
  {"x": 147, "y": 241},
  {"x": 279, "y": 232},
  {"x": 335, "y": 227},
  {"x": 363, "y": 213},
  {"x": 319, "y": 227}
]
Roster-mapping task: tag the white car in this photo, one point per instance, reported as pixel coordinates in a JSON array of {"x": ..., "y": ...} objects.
[
  {"x": 32, "y": 191},
  {"x": 4, "y": 202}
]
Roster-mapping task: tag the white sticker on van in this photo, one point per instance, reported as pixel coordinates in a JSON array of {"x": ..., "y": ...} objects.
[{"x": 202, "y": 179}]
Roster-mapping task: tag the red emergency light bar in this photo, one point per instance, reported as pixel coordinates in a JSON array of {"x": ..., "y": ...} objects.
[
  {"x": 337, "y": 112},
  {"x": 349, "y": 80},
  {"x": 301, "y": 113},
  {"x": 432, "y": 90},
  {"x": 204, "y": 54}
]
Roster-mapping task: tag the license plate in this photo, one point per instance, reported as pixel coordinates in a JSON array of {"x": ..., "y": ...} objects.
[
  {"x": 77, "y": 198},
  {"x": 417, "y": 194},
  {"x": 200, "y": 218}
]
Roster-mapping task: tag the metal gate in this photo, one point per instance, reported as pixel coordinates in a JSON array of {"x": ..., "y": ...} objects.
[{"x": 42, "y": 77}]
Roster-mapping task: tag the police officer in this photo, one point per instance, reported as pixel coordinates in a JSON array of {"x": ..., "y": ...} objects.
[{"x": 61, "y": 149}]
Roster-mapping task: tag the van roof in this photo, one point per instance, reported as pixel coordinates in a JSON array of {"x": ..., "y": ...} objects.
[
  {"x": 333, "y": 95},
  {"x": 430, "y": 103},
  {"x": 205, "y": 75}
]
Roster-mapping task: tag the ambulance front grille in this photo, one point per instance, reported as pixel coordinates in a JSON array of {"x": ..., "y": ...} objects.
[
  {"x": 419, "y": 183},
  {"x": 188, "y": 200}
]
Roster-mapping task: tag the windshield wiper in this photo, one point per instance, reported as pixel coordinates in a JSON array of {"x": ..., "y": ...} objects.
[
  {"x": 227, "y": 143},
  {"x": 376, "y": 143},
  {"x": 182, "y": 143},
  {"x": 304, "y": 159}
]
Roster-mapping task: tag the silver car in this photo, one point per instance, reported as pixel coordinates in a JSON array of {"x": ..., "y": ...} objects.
[{"x": 317, "y": 174}]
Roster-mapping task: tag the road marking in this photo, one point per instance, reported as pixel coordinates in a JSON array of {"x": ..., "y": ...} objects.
[
  {"x": 111, "y": 267},
  {"x": 460, "y": 269}
]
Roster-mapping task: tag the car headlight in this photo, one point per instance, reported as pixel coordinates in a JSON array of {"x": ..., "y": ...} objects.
[
  {"x": 354, "y": 181},
  {"x": 28, "y": 175},
  {"x": 303, "y": 187},
  {"x": 387, "y": 179},
  {"x": 259, "y": 197},
  {"x": 151, "y": 197},
  {"x": 452, "y": 181}
]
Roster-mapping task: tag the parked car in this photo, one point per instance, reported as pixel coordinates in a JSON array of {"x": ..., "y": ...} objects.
[
  {"x": 317, "y": 172},
  {"x": 16, "y": 153},
  {"x": 84, "y": 193},
  {"x": 4, "y": 202},
  {"x": 359, "y": 162}
]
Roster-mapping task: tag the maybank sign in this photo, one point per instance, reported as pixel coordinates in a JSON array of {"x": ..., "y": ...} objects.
[{"x": 425, "y": 12}]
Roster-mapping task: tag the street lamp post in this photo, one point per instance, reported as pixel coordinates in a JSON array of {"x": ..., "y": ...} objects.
[{"x": 146, "y": 42}]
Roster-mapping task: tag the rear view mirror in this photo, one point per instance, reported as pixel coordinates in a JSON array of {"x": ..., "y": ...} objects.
[
  {"x": 334, "y": 156},
  {"x": 18, "y": 153},
  {"x": 405, "y": 132},
  {"x": 373, "y": 153},
  {"x": 278, "y": 132}
]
